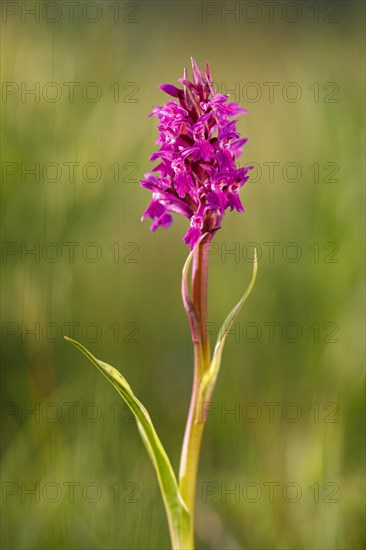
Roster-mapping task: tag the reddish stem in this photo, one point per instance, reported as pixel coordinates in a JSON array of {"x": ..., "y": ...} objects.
[{"x": 195, "y": 421}]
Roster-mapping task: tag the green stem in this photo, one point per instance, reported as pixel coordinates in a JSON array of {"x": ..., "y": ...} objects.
[{"x": 195, "y": 421}]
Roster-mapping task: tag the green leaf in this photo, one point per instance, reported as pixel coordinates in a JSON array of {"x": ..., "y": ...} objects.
[
  {"x": 209, "y": 378},
  {"x": 176, "y": 510}
]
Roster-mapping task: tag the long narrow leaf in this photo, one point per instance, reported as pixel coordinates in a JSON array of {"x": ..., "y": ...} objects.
[
  {"x": 177, "y": 513},
  {"x": 209, "y": 378}
]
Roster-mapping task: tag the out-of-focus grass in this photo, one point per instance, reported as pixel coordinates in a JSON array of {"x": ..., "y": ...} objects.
[{"x": 146, "y": 293}]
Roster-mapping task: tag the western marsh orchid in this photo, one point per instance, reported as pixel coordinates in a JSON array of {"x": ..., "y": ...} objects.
[{"x": 196, "y": 176}]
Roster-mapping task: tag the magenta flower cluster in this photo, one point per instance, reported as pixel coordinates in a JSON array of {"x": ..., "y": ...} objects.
[{"x": 199, "y": 144}]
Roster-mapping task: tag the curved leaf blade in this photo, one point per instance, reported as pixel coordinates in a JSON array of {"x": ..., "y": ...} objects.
[
  {"x": 209, "y": 378},
  {"x": 176, "y": 510}
]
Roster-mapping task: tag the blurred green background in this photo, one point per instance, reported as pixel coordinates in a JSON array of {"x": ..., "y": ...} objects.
[{"x": 80, "y": 452}]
